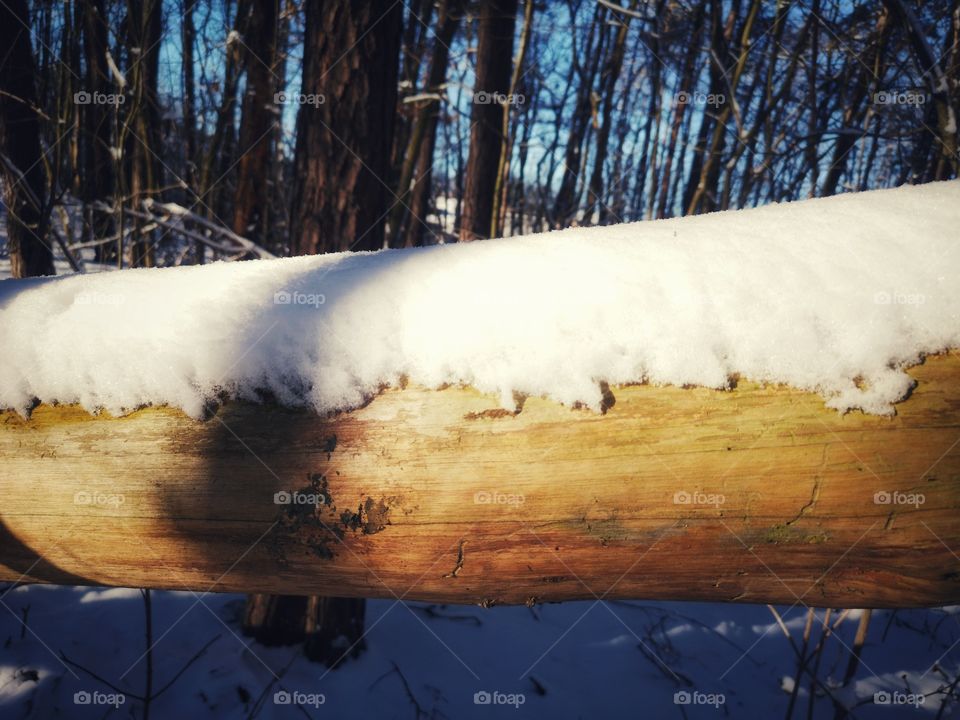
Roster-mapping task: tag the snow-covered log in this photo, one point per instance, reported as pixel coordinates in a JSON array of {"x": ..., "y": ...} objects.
[
  {"x": 752, "y": 406},
  {"x": 753, "y": 495}
]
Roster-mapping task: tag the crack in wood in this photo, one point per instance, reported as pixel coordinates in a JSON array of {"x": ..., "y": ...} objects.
[{"x": 459, "y": 566}]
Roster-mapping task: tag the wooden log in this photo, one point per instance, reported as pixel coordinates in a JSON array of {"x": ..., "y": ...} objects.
[{"x": 758, "y": 494}]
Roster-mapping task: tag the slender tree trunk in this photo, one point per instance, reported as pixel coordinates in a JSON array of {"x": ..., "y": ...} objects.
[
  {"x": 506, "y": 143},
  {"x": 652, "y": 114},
  {"x": 565, "y": 207},
  {"x": 277, "y": 240},
  {"x": 217, "y": 157},
  {"x": 251, "y": 216},
  {"x": 494, "y": 63},
  {"x": 813, "y": 136},
  {"x": 417, "y": 174},
  {"x": 412, "y": 49},
  {"x": 188, "y": 38},
  {"x": 144, "y": 25},
  {"x": 98, "y": 179},
  {"x": 686, "y": 80},
  {"x": 707, "y": 121},
  {"x": 22, "y": 162},
  {"x": 608, "y": 83},
  {"x": 65, "y": 159}
]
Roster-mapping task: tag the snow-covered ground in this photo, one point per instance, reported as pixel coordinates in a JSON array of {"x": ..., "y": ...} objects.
[
  {"x": 836, "y": 295},
  {"x": 571, "y": 660}
]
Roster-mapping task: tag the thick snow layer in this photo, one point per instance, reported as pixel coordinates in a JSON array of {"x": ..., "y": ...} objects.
[{"x": 836, "y": 295}]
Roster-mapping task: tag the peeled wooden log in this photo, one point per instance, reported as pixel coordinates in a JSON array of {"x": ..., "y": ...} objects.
[{"x": 758, "y": 494}]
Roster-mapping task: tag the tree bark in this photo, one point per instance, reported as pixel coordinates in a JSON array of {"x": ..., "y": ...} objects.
[
  {"x": 494, "y": 62},
  {"x": 97, "y": 117},
  {"x": 342, "y": 162},
  {"x": 502, "y": 182},
  {"x": 218, "y": 158},
  {"x": 24, "y": 184},
  {"x": 251, "y": 206},
  {"x": 144, "y": 25},
  {"x": 608, "y": 83},
  {"x": 708, "y": 119}
]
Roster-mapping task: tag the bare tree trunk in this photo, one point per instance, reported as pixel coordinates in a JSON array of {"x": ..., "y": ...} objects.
[
  {"x": 344, "y": 137},
  {"x": 707, "y": 123},
  {"x": 251, "y": 207},
  {"x": 216, "y": 159},
  {"x": 188, "y": 39},
  {"x": 506, "y": 143},
  {"x": 653, "y": 111},
  {"x": 686, "y": 81},
  {"x": 565, "y": 207},
  {"x": 98, "y": 179},
  {"x": 65, "y": 160},
  {"x": 412, "y": 49},
  {"x": 494, "y": 63},
  {"x": 812, "y": 147},
  {"x": 144, "y": 25},
  {"x": 22, "y": 161},
  {"x": 417, "y": 174}
]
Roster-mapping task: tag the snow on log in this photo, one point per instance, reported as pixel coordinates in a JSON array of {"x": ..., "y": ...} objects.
[{"x": 759, "y": 406}]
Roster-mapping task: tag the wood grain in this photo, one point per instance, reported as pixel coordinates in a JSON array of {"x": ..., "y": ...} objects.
[{"x": 438, "y": 495}]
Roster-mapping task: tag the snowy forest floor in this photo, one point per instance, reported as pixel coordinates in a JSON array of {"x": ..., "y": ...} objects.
[{"x": 567, "y": 660}]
